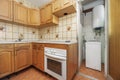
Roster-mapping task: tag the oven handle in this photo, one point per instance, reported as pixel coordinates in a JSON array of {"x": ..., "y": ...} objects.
[{"x": 56, "y": 57}]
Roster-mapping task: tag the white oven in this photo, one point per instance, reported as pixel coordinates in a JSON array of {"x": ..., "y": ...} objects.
[{"x": 55, "y": 62}]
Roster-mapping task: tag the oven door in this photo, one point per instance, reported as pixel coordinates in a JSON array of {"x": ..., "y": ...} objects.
[{"x": 55, "y": 67}]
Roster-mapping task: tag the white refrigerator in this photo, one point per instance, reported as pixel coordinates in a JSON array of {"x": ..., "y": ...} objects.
[{"x": 93, "y": 55}]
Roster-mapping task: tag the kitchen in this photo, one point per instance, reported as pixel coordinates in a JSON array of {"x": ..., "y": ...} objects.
[{"x": 44, "y": 40}]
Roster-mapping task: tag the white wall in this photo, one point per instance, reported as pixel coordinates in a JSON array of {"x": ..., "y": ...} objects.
[
  {"x": 79, "y": 31},
  {"x": 93, "y": 4}
]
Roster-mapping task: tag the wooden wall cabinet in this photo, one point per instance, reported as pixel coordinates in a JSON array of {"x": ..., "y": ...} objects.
[
  {"x": 6, "y": 59},
  {"x": 6, "y": 10},
  {"x": 63, "y": 7},
  {"x": 34, "y": 17},
  {"x": 23, "y": 56},
  {"x": 46, "y": 16},
  {"x": 42, "y": 16},
  {"x": 57, "y": 4},
  {"x": 20, "y": 13},
  {"x": 38, "y": 56}
]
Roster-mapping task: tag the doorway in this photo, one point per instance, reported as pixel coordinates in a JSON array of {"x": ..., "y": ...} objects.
[{"x": 89, "y": 34}]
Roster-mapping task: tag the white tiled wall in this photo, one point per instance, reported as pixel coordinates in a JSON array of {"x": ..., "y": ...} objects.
[
  {"x": 11, "y": 32},
  {"x": 61, "y": 30}
]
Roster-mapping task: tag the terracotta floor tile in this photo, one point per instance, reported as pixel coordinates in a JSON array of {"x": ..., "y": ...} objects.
[
  {"x": 33, "y": 74},
  {"x": 78, "y": 77},
  {"x": 93, "y": 73}
]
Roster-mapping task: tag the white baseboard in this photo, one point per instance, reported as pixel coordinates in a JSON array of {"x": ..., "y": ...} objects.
[{"x": 109, "y": 77}]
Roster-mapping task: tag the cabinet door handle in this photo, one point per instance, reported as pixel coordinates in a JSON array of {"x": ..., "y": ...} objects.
[
  {"x": 56, "y": 8},
  {"x": 66, "y": 3},
  {"x": 48, "y": 20}
]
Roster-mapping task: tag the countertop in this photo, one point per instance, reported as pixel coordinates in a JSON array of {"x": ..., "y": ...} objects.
[{"x": 40, "y": 41}]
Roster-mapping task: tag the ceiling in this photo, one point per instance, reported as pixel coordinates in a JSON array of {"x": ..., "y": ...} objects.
[
  {"x": 87, "y": 1},
  {"x": 39, "y": 3}
]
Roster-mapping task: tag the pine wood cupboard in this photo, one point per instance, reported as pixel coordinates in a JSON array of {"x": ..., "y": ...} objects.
[
  {"x": 46, "y": 16},
  {"x": 57, "y": 5},
  {"x": 6, "y": 10},
  {"x": 34, "y": 17},
  {"x": 6, "y": 59},
  {"x": 38, "y": 56},
  {"x": 23, "y": 56},
  {"x": 63, "y": 7},
  {"x": 20, "y": 13}
]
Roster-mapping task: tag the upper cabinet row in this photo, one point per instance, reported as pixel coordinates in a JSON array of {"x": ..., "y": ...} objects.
[
  {"x": 46, "y": 16},
  {"x": 16, "y": 12}
]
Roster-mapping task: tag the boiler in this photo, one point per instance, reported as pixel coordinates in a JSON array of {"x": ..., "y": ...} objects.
[{"x": 98, "y": 16}]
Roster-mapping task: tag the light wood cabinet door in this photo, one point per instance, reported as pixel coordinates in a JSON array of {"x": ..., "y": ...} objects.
[
  {"x": 57, "y": 5},
  {"x": 34, "y": 59},
  {"x": 20, "y": 13},
  {"x": 22, "y": 58},
  {"x": 5, "y": 63},
  {"x": 34, "y": 17},
  {"x": 6, "y": 10},
  {"x": 48, "y": 10},
  {"x": 40, "y": 57},
  {"x": 43, "y": 16},
  {"x": 66, "y": 3}
]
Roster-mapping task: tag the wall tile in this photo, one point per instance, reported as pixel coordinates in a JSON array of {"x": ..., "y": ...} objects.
[
  {"x": 12, "y": 32},
  {"x": 67, "y": 25}
]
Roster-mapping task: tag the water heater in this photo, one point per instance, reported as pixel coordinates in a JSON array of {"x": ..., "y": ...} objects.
[{"x": 98, "y": 16}]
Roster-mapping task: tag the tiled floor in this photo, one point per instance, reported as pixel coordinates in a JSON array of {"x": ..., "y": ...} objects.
[
  {"x": 90, "y": 72},
  {"x": 79, "y": 77},
  {"x": 33, "y": 74}
]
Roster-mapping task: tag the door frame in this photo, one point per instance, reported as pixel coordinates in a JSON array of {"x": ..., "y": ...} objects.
[{"x": 79, "y": 38}]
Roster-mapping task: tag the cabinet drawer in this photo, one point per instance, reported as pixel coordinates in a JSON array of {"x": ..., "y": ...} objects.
[
  {"x": 6, "y": 46},
  {"x": 22, "y": 45}
]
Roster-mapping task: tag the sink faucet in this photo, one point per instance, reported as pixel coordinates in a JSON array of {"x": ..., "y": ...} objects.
[{"x": 20, "y": 38}]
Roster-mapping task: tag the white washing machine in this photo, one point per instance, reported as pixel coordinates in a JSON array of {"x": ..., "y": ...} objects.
[{"x": 93, "y": 55}]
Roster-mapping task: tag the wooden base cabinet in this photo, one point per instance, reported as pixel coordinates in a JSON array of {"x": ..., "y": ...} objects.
[
  {"x": 38, "y": 56},
  {"x": 22, "y": 56},
  {"x": 6, "y": 10},
  {"x": 6, "y": 59}
]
